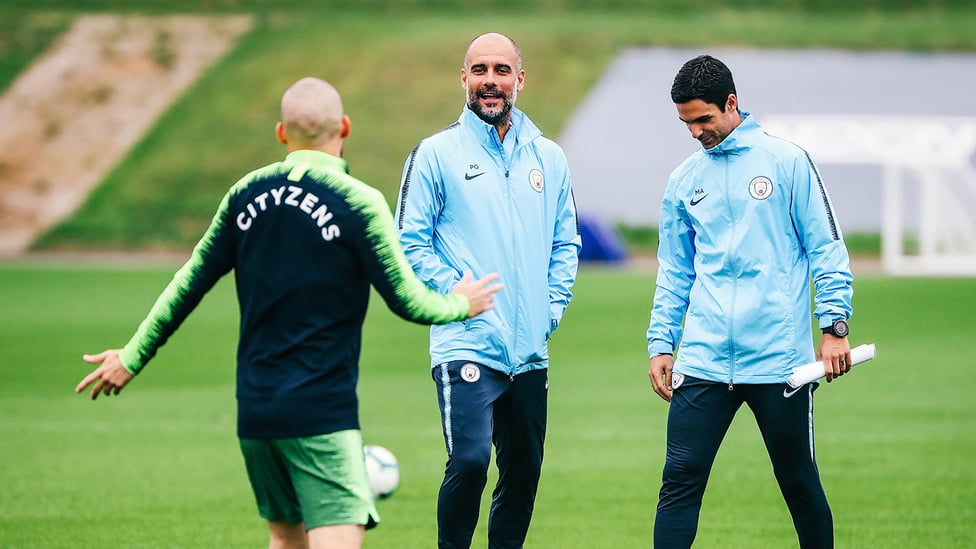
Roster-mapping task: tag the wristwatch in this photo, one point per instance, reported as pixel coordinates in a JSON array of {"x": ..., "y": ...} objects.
[{"x": 839, "y": 328}]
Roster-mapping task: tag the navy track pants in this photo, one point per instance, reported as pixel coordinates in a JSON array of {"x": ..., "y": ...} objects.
[
  {"x": 480, "y": 407},
  {"x": 699, "y": 417}
]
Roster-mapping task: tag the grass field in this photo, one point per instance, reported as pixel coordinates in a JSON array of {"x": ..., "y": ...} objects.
[{"x": 158, "y": 466}]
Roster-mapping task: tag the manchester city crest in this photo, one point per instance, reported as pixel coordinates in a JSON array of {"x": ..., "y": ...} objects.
[
  {"x": 761, "y": 188},
  {"x": 536, "y": 180},
  {"x": 470, "y": 372},
  {"x": 676, "y": 380}
]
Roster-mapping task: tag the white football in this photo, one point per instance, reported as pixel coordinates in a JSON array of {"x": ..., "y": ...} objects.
[{"x": 382, "y": 469}]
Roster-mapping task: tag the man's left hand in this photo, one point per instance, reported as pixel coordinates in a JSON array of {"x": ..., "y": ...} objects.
[{"x": 835, "y": 352}]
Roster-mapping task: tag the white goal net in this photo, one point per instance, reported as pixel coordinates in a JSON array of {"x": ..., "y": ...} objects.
[{"x": 928, "y": 202}]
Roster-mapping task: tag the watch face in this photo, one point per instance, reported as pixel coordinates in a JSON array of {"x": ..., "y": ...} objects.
[{"x": 841, "y": 328}]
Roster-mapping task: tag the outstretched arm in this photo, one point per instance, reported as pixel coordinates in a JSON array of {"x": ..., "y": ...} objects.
[{"x": 209, "y": 261}]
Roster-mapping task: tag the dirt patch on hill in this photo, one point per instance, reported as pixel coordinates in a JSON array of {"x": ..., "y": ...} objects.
[{"x": 82, "y": 105}]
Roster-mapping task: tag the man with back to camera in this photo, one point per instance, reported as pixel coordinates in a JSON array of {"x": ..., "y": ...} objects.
[
  {"x": 489, "y": 193},
  {"x": 305, "y": 240},
  {"x": 745, "y": 223}
]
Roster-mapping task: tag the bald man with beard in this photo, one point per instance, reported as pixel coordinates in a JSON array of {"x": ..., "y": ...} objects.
[
  {"x": 305, "y": 241},
  {"x": 490, "y": 193}
]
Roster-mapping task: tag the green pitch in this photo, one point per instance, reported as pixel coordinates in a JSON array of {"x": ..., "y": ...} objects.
[{"x": 158, "y": 466}]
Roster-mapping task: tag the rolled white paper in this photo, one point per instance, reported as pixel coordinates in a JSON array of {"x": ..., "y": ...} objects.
[{"x": 815, "y": 370}]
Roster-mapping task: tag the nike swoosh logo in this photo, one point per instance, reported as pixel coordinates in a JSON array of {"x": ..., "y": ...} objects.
[
  {"x": 469, "y": 177},
  {"x": 788, "y": 393},
  {"x": 697, "y": 200}
]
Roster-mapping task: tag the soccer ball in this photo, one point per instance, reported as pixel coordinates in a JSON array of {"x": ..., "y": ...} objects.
[{"x": 382, "y": 470}]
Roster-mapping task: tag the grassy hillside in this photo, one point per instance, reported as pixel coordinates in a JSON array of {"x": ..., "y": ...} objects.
[{"x": 399, "y": 77}]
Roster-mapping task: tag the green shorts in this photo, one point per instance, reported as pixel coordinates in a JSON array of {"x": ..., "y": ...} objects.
[{"x": 318, "y": 480}]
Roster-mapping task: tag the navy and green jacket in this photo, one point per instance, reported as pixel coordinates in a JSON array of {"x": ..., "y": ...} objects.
[{"x": 305, "y": 241}]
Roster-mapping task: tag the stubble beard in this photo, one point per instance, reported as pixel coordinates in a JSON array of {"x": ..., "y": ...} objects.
[{"x": 495, "y": 117}]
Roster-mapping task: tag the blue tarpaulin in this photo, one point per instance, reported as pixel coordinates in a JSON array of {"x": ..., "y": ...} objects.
[{"x": 600, "y": 241}]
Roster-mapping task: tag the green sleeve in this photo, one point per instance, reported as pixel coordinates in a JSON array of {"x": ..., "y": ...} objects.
[{"x": 210, "y": 260}]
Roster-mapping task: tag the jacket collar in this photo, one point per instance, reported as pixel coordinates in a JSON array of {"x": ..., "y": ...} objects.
[
  {"x": 318, "y": 159},
  {"x": 742, "y": 138},
  {"x": 522, "y": 129}
]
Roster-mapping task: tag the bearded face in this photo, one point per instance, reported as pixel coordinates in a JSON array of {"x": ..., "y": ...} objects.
[
  {"x": 491, "y": 103},
  {"x": 491, "y": 78}
]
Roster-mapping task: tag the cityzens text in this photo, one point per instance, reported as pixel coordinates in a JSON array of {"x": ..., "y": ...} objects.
[{"x": 290, "y": 196}]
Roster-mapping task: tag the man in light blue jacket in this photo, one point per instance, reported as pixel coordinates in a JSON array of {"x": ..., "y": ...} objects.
[
  {"x": 487, "y": 194},
  {"x": 746, "y": 222}
]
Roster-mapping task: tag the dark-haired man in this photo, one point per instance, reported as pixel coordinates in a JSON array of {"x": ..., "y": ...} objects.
[{"x": 745, "y": 223}]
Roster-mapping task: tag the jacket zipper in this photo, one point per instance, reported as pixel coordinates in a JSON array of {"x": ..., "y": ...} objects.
[
  {"x": 735, "y": 279},
  {"x": 508, "y": 193}
]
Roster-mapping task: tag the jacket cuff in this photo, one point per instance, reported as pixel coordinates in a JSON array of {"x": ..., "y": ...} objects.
[{"x": 659, "y": 348}]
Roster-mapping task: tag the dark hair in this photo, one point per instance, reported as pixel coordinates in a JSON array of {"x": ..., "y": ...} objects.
[{"x": 705, "y": 78}]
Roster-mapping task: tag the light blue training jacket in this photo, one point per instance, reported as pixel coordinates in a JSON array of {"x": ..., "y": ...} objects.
[
  {"x": 744, "y": 226},
  {"x": 469, "y": 202}
]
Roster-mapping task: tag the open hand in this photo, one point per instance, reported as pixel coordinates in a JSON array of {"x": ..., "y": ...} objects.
[
  {"x": 480, "y": 295},
  {"x": 110, "y": 376}
]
